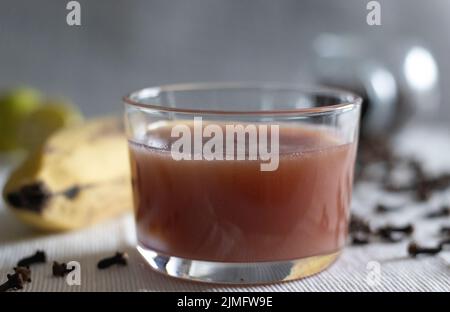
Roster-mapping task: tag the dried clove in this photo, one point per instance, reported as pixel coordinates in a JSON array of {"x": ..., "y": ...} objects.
[
  {"x": 406, "y": 229},
  {"x": 444, "y": 211},
  {"x": 359, "y": 230},
  {"x": 421, "y": 188},
  {"x": 14, "y": 282},
  {"x": 119, "y": 258},
  {"x": 445, "y": 230},
  {"x": 60, "y": 269},
  {"x": 24, "y": 272},
  {"x": 376, "y": 150},
  {"x": 38, "y": 257},
  {"x": 358, "y": 224},
  {"x": 360, "y": 238},
  {"x": 361, "y": 233},
  {"x": 390, "y": 237},
  {"x": 383, "y": 208},
  {"x": 414, "y": 250},
  {"x": 395, "y": 234},
  {"x": 422, "y": 185}
]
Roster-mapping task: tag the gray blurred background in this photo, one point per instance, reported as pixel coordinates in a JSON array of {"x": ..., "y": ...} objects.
[{"x": 125, "y": 45}]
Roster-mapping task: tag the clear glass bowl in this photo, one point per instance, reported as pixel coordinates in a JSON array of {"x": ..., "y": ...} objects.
[{"x": 241, "y": 183}]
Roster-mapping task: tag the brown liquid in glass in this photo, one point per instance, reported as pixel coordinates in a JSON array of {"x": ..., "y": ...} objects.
[{"x": 231, "y": 211}]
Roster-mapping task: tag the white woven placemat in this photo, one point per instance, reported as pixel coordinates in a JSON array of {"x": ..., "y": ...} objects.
[{"x": 354, "y": 270}]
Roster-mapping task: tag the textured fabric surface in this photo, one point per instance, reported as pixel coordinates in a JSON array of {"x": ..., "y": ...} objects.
[{"x": 353, "y": 271}]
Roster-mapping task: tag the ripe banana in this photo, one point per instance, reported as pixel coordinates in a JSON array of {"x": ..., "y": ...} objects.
[{"x": 79, "y": 176}]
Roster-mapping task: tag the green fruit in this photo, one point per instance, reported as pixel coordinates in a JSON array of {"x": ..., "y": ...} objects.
[
  {"x": 15, "y": 106},
  {"x": 46, "y": 120}
]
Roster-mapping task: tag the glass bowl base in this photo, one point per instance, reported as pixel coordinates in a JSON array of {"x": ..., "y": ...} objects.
[{"x": 236, "y": 272}]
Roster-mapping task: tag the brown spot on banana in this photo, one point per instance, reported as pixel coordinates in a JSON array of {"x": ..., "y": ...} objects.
[{"x": 34, "y": 196}]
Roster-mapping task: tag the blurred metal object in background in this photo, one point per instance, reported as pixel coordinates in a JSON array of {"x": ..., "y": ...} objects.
[{"x": 397, "y": 82}]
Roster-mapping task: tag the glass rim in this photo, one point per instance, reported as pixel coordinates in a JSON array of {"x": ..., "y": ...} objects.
[{"x": 350, "y": 100}]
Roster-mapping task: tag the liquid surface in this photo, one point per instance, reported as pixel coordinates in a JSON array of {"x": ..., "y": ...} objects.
[{"x": 231, "y": 211}]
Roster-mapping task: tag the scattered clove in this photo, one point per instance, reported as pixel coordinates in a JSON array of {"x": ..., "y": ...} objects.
[
  {"x": 14, "y": 282},
  {"x": 380, "y": 152},
  {"x": 376, "y": 150},
  {"x": 445, "y": 230},
  {"x": 119, "y": 258},
  {"x": 406, "y": 229},
  {"x": 361, "y": 233},
  {"x": 414, "y": 250},
  {"x": 360, "y": 238},
  {"x": 358, "y": 224},
  {"x": 444, "y": 211},
  {"x": 383, "y": 208},
  {"x": 359, "y": 230},
  {"x": 60, "y": 269},
  {"x": 24, "y": 272},
  {"x": 394, "y": 234},
  {"x": 38, "y": 257},
  {"x": 422, "y": 185}
]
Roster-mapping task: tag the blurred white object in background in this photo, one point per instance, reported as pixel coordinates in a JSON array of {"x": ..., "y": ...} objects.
[
  {"x": 421, "y": 74},
  {"x": 420, "y": 69}
]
